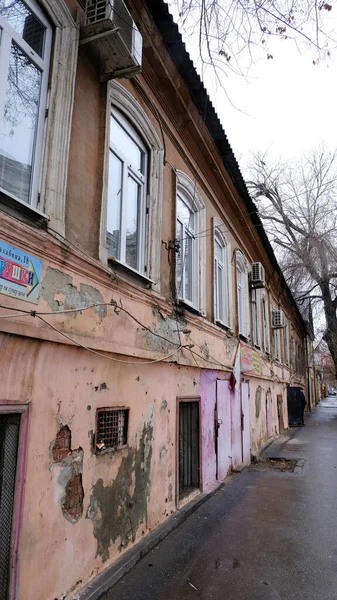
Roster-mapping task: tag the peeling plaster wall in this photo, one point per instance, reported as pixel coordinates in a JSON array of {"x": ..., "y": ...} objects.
[
  {"x": 259, "y": 389},
  {"x": 126, "y": 493}
]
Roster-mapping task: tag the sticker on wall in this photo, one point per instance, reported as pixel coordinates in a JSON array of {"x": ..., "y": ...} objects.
[{"x": 20, "y": 273}]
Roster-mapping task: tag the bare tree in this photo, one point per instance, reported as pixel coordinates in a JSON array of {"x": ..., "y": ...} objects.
[
  {"x": 227, "y": 29},
  {"x": 298, "y": 205}
]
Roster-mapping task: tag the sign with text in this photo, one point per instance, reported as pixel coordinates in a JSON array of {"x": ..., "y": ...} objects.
[
  {"x": 20, "y": 273},
  {"x": 250, "y": 360}
]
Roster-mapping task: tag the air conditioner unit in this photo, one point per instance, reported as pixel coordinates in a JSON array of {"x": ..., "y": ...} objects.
[
  {"x": 278, "y": 320},
  {"x": 257, "y": 277},
  {"x": 110, "y": 29}
]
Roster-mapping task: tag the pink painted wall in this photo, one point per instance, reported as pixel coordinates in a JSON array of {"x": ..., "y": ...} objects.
[
  {"x": 225, "y": 429},
  {"x": 208, "y": 382},
  {"x": 236, "y": 428}
]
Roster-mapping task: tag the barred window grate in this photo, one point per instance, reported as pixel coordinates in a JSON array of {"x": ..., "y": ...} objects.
[{"x": 111, "y": 429}]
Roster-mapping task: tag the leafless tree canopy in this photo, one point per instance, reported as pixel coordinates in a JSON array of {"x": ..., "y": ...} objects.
[
  {"x": 298, "y": 205},
  {"x": 227, "y": 29}
]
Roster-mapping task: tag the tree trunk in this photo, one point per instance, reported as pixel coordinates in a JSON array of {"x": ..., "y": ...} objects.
[{"x": 330, "y": 335}]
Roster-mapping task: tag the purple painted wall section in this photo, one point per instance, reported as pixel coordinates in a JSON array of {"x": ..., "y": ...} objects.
[
  {"x": 236, "y": 428},
  {"x": 224, "y": 431},
  {"x": 208, "y": 381}
]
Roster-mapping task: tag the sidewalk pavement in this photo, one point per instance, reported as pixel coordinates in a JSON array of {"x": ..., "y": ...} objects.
[{"x": 264, "y": 535}]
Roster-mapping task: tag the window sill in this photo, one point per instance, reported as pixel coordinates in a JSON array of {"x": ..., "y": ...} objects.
[
  {"x": 185, "y": 305},
  {"x": 130, "y": 274},
  {"x": 244, "y": 338},
  {"x": 110, "y": 450},
  {"x": 223, "y": 326},
  {"x": 16, "y": 207}
]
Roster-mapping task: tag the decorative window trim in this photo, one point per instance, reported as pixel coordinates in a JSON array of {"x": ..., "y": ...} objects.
[
  {"x": 286, "y": 352},
  {"x": 218, "y": 227},
  {"x": 241, "y": 263},
  {"x": 119, "y": 97},
  {"x": 189, "y": 188},
  {"x": 55, "y": 156}
]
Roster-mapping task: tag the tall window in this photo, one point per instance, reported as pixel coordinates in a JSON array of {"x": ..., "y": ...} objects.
[
  {"x": 190, "y": 214},
  {"x": 266, "y": 326},
  {"x": 286, "y": 342},
  {"x": 277, "y": 344},
  {"x": 25, "y": 41},
  {"x": 222, "y": 279},
  {"x": 126, "y": 217},
  {"x": 256, "y": 317},
  {"x": 186, "y": 259},
  {"x": 242, "y": 294}
]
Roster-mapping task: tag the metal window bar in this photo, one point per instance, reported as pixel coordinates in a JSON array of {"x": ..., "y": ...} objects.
[{"x": 111, "y": 432}]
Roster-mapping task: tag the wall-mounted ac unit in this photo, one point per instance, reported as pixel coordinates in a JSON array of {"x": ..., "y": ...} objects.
[
  {"x": 257, "y": 277},
  {"x": 278, "y": 320},
  {"x": 110, "y": 29}
]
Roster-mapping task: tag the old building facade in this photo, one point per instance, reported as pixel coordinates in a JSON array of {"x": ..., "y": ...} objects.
[{"x": 140, "y": 362}]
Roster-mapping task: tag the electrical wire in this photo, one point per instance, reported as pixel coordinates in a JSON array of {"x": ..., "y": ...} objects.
[{"x": 126, "y": 362}]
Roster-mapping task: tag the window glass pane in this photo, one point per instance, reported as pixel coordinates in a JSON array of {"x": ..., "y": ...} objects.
[
  {"x": 184, "y": 214},
  {"x": 18, "y": 129},
  {"x": 114, "y": 205},
  {"x": 240, "y": 310},
  {"x": 179, "y": 234},
  {"x": 132, "y": 223},
  {"x": 188, "y": 268},
  {"x": 18, "y": 15},
  {"x": 130, "y": 149},
  {"x": 218, "y": 251}
]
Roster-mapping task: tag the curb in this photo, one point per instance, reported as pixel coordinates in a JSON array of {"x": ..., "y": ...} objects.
[{"x": 103, "y": 582}]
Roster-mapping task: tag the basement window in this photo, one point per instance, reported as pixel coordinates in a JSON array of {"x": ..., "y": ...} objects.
[{"x": 111, "y": 429}]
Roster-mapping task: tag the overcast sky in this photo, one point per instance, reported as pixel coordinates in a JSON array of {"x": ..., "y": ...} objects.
[{"x": 288, "y": 105}]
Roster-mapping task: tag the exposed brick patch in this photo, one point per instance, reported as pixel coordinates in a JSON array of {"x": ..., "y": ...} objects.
[
  {"x": 62, "y": 445},
  {"x": 72, "y": 505}
]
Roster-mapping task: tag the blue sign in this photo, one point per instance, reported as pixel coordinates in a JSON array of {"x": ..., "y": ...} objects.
[{"x": 20, "y": 274}]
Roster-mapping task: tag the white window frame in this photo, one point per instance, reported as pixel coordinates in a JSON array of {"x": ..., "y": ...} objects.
[
  {"x": 256, "y": 317},
  {"x": 56, "y": 141},
  {"x": 187, "y": 190},
  {"x": 7, "y": 36},
  {"x": 226, "y": 266},
  {"x": 242, "y": 292},
  {"x": 126, "y": 104},
  {"x": 130, "y": 171},
  {"x": 266, "y": 323},
  {"x": 277, "y": 344}
]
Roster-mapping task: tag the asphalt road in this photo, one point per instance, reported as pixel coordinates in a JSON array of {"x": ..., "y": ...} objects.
[{"x": 265, "y": 536}]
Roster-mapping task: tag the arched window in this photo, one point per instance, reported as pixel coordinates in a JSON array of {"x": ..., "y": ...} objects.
[
  {"x": 132, "y": 193},
  {"x": 128, "y": 160},
  {"x": 222, "y": 275},
  {"x": 242, "y": 294},
  {"x": 190, "y": 225}
]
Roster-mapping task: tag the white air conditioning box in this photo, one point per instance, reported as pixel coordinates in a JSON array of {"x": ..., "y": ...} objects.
[
  {"x": 278, "y": 319},
  {"x": 110, "y": 28},
  {"x": 257, "y": 276}
]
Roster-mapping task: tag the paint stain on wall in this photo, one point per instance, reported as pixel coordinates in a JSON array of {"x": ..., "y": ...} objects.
[{"x": 117, "y": 510}]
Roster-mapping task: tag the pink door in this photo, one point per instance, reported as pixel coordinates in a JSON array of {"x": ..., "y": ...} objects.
[
  {"x": 236, "y": 428},
  {"x": 245, "y": 424},
  {"x": 223, "y": 426}
]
